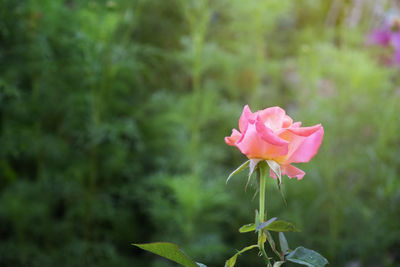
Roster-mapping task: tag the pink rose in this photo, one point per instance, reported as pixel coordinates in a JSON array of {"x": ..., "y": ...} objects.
[{"x": 270, "y": 134}]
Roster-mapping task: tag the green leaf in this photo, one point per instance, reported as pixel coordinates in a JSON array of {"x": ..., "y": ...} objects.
[
  {"x": 232, "y": 261},
  {"x": 278, "y": 263},
  {"x": 276, "y": 226},
  {"x": 307, "y": 257},
  {"x": 265, "y": 224},
  {"x": 283, "y": 243},
  {"x": 247, "y": 228},
  {"x": 169, "y": 251},
  {"x": 282, "y": 226},
  {"x": 240, "y": 168}
]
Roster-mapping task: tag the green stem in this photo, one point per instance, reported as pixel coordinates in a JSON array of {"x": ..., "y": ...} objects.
[
  {"x": 263, "y": 214},
  {"x": 263, "y": 181}
]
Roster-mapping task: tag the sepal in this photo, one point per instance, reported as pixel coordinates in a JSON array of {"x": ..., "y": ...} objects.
[{"x": 239, "y": 169}]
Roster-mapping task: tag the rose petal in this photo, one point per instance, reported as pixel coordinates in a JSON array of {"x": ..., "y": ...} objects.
[
  {"x": 303, "y": 149},
  {"x": 268, "y": 135},
  {"x": 253, "y": 146},
  {"x": 246, "y": 117},
  {"x": 235, "y": 136},
  {"x": 305, "y": 131},
  {"x": 272, "y": 117},
  {"x": 296, "y": 124},
  {"x": 292, "y": 171},
  {"x": 287, "y": 122}
]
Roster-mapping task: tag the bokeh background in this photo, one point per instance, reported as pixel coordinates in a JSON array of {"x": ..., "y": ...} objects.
[{"x": 113, "y": 116}]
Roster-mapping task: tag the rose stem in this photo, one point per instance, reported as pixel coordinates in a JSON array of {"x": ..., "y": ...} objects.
[{"x": 262, "y": 171}]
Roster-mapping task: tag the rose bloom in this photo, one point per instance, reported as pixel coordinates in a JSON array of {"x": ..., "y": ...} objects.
[{"x": 270, "y": 134}]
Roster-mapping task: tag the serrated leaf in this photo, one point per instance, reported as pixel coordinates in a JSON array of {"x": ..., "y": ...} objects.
[
  {"x": 282, "y": 226},
  {"x": 265, "y": 224},
  {"x": 169, "y": 251},
  {"x": 278, "y": 263},
  {"x": 232, "y": 261},
  {"x": 307, "y": 257},
  {"x": 240, "y": 168},
  {"x": 283, "y": 243},
  {"x": 247, "y": 228}
]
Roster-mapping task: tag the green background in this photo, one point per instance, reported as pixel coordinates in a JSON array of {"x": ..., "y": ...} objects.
[{"x": 113, "y": 116}]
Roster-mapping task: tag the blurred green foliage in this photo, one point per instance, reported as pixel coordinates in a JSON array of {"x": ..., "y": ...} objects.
[{"x": 113, "y": 114}]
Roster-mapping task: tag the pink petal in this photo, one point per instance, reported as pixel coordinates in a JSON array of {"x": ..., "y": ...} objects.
[
  {"x": 296, "y": 124},
  {"x": 268, "y": 135},
  {"x": 287, "y": 122},
  {"x": 305, "y": 131},
  {"x": 303, "y": 149},
  {"x": 253, "y": 146},
  {"x": 246, "y": 117},
  {"x": 235, "y": 136},
  {"x": 292, "y": 171},
  {"x": 272, "y": 117}
]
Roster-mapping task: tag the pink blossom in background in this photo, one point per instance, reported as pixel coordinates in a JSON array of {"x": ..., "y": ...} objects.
[
  {"x": 388, "y": 36},
  {"x": 380, "y": 37},
  {"x": 270, "y": 134}
]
